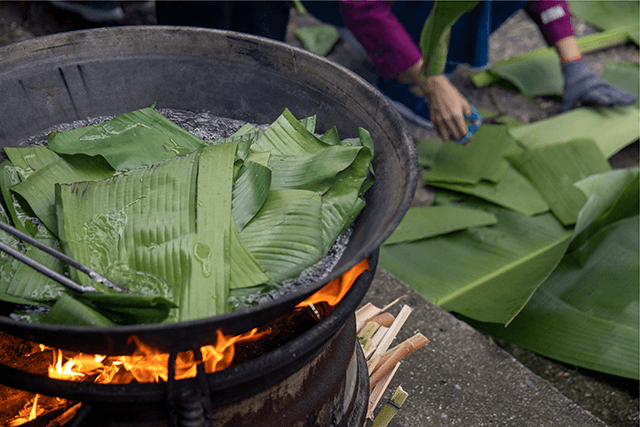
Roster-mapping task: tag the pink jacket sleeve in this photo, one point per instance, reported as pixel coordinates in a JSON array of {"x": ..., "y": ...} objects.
[
  {"x": 553, "y": 18},
  {"x": 381, "y": 34}
]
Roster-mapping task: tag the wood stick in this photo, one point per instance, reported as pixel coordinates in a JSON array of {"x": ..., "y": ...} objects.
[
  {"x": 393, "y": 330},
  {"x": 375, "y": 340},
  {"x": 382, "y": 319},
  {"x": 366, "y": 311},
  {"x": 408, "y": 346},
  {"x": 378, "y": 391}
]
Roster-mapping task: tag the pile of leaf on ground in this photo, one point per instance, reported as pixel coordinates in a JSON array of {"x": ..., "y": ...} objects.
[
  {"x": 184, "y": 224},
  {"x": 532, "y": 237}
]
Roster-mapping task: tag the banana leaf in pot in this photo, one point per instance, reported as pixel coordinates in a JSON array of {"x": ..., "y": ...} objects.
[{"x": 109, "y": 71}]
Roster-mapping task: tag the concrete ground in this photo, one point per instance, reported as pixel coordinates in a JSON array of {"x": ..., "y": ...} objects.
[{"x": 461, "y": 377}]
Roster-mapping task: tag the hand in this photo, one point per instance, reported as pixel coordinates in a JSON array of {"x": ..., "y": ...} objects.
[
  {"x": 583, "y": 86},
  {"x": 447, "y": 106}
]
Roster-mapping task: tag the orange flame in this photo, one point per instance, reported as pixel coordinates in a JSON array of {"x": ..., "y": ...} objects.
[
  {"x": 333, "y": 292},
  {"x": 149, "y": 364}
]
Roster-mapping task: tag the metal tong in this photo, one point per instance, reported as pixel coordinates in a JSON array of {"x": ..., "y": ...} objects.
[{"x": 63, "y": 280}]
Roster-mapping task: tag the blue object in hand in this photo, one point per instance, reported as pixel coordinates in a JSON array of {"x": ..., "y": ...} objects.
[{"x": 476, "y": 122}]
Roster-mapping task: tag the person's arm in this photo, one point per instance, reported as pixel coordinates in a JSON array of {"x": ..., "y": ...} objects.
[
  {"x": 395, "y": 54},
  {"x": 581, "y": 84}
]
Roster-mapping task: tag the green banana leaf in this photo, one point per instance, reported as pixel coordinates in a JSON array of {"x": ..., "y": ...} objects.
[
  {"x": 318, "y": 39},
  {"x": 486, "y": 273},
  {"x": 250, "y": 190},
  {"x": 624, "y": 75},
  {"x": 135, "y": 228},
  {"x": 39, "y": 188},
  {"x": 128, "y": 309},
  {"x": 69, "y": 311},
  {"x": 553, "y": 170},
  {"x": 434, "y": 38},
  {"x": 513, "y": 192},
  {"x": 342, "y": 203},
  {"x": 23, "y": 218},
  {"x": 287, "y": 136},
  {"x": 611, "y": 128},
  {"x": 611, "y": 196},
  {"x": 424, "y": 222},
  {"x": 286, "y": 234},
  {"x": 33, "y": 285},
  {"x": 482, "y": 159},
  {"x": 28, "y": 160},
  {"x": 607, "y": 14},
  {"x": 246, "y": 271},
  {"x": 139, "y": 138},
  {"x": 538, "y": 72},
  {"x": 313, "y": 172},
  {"x": 208, "y": 287},
  {"x": 586, "y": 312},
  {"x": 9, "y": 265}
]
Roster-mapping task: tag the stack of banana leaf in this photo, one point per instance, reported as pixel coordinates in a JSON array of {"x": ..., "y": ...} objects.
[
  {"x": 183, "y": 223},
  {"x": 533, "y": 237}
]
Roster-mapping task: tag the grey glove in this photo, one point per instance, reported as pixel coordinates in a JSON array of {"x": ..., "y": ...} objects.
[{"x": 583, "y": 86}]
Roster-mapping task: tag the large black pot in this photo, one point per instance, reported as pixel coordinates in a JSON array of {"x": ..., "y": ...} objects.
[{"x": 109, "y": 71}]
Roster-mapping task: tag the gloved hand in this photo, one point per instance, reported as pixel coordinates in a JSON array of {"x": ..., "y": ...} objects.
[{"x": 583, "y": 86}]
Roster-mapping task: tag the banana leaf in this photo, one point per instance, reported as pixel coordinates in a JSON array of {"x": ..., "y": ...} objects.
[
  {"x": 27, "y": 160},
  {"x": 9, "y": 265},
  {"x": 313, "y": 172},
  {"x": 624, "y": 75},
  {"x": 208, "y": 287},
  {"x": 287, "y": 136},
  {"x": 611, "y": 196},
  {"x": 554, "y": 169},
  {"x": 286, "y": 234},
  {"x": 33, "y": 285},
  {"x": 470, "y": 163},
  {"x": 434, "y": 38},
  {"x": 538, "y": 72},
  {"x": 250, "y": 190},
  {"x": 424, "y": 222},
  {"x": 513, "y": 192},
  {"x": 23, "y": 218},
  {"x": 486, "y": 273},
  {"x": 586, "y": 312},
  {"x": 607, "y": 15},
  {"x": 136, "y": 228},
  {"x": 128, "y": 309},
  {"x": 39, "y": 188},
  {"x": 343, "y": 201},
  {"x": 246, "y": 271},
  {"x": 611, "y": 128},
  {"x": 318, "y": 39},
  {"x": 69, "y": 311},
  {"x": 139, "y": 138}
]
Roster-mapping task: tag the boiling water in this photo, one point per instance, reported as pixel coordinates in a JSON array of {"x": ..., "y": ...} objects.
[{"x": 209, "y": 127}]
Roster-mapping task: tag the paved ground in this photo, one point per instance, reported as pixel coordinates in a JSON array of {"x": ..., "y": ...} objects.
[{"x": 461, "y": 377}]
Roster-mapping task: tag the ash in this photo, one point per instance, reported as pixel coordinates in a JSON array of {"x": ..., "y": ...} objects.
[{"x": 208, "y": 127}]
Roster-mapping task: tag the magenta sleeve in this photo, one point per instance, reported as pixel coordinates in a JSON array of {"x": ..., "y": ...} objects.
[
  {"x": 381, "y": 34},
  {"x": 553, "y": 18}
]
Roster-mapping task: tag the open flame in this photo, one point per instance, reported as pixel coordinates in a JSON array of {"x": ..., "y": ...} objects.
[{"x": 148, "y": 364}]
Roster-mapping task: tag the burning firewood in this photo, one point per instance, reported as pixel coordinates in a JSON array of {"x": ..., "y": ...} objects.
[{"x": 376, "y": 331}]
